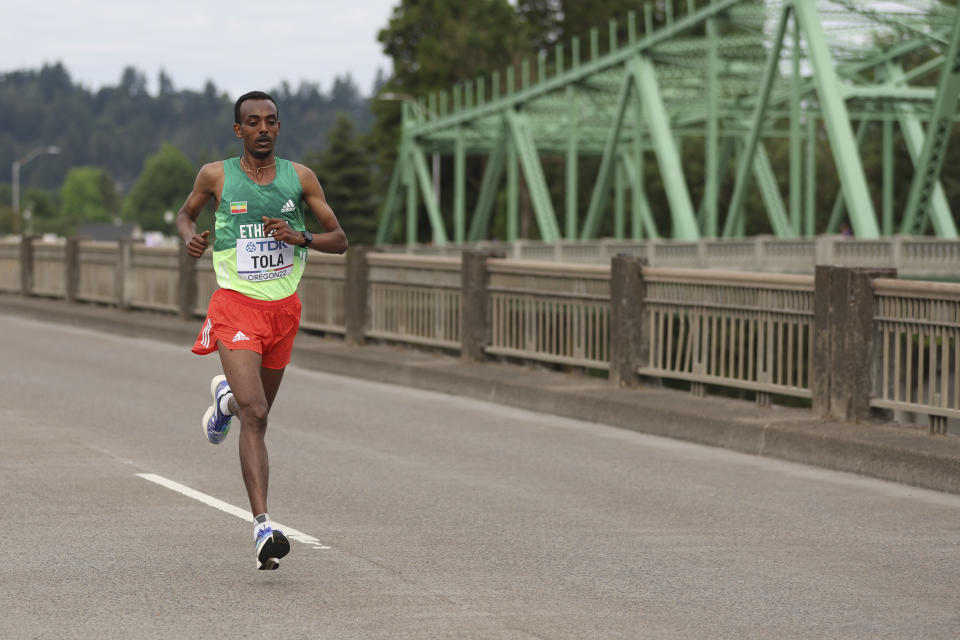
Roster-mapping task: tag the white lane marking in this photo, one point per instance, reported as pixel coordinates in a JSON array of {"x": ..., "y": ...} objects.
[{"x": 243, "y": 514}]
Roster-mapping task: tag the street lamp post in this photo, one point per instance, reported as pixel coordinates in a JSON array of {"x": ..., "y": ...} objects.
[{"x": 15, "y": 174}]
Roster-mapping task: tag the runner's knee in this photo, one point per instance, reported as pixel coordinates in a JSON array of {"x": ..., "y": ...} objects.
[{"x": 254, "y": 414}]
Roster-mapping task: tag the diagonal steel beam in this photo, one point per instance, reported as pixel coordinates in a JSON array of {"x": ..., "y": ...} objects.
[
  {"x": 536, "y": 182},
  {"x": 745, "y": 163},
  {"x": 580, "y": 72},
  {"x": 601, "y": 188},
  {"x": 639, "y": 195},
  {"x": 770, "y": 192},
  {"x": 929, "y": 162},
  {"x": 426, "y": 189},
  {"x": 387, "y": 214},
  {"x": 488, "y": 191},
  {"x": 836, "y": 213},
  {"x": 671, "y": 170},
  {"x": 915, "y": 140},
  {"x": 837, "y": 120}
]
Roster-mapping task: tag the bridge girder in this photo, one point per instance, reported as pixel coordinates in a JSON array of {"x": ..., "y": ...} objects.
[{"x": 728, "y": 75}]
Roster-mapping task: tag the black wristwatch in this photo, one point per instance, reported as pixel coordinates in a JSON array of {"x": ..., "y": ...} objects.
[{"x": 307, "y": 238}]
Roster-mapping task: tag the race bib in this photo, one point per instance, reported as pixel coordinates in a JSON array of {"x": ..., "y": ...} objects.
[{"x": 260, "y": 259}]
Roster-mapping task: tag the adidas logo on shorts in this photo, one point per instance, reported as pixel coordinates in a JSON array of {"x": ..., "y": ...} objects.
[
  {"x": 287, "y": 208},
  {"x": 240, "y": 336}
]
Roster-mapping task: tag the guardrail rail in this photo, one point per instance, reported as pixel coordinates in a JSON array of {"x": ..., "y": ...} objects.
[
  {"x": 735, "y": 329},
  {"x": 556, "y": 313},
  {"x": 415, "y": 299},
  {"x": 917, "y": 325}
]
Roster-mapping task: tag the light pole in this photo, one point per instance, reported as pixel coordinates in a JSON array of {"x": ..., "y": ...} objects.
[
  {"x": 424, "y": 112},
  {"x": 15, "y": 171}
]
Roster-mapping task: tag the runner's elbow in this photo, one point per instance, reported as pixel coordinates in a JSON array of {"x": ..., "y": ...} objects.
[{"x": 342, "y": 242}]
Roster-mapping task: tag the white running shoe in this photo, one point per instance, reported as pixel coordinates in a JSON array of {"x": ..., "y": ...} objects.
[{"x": 216, "y": 424}]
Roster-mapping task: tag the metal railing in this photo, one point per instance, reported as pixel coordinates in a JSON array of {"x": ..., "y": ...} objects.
[
  {"x": 744, "y": 330},
  {"x": 10, "y": 265},
  {"x": 206, "y": 285},
  {"x": 557, "y": 313},
  {"x": 49, "y": 269},
  {"x": 98, "y": 271},
  {"x": 415, "y": 299},
  {"x": 322, "y": 293},
  {"x": 154, "y": 278},
  {"x": 734, "y": 329},
  {"x": 917, "y": 325}
]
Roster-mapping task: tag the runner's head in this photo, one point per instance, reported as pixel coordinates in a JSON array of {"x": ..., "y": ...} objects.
[{"x": 257, "y": 123}]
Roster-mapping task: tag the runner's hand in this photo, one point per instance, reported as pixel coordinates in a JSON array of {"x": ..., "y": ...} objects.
[
  {"x": 198, "y": 244},
  {"x": 279, "y": 229}
]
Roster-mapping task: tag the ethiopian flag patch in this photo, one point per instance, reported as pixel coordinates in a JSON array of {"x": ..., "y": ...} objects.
[{"x": 238, "y": 207}]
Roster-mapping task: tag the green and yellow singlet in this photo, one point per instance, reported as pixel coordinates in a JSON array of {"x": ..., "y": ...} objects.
[{"x": 244, "y": 259}]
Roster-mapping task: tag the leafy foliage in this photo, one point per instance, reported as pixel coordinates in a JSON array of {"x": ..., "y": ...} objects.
[
  {"x": 344, "y": 170},
  {"x": 87, "y": 195},
  {"x": 164, "y": 182},
  {"x": 117, "y": 127}
]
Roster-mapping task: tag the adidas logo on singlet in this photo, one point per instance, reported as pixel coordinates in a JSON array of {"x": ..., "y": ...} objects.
[
  {"x": 240, "y": 336},
  {"x": 287, "y": 208}
]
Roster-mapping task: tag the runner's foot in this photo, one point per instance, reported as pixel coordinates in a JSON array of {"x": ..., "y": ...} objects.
[
  {"x": 216, "y": 424},
  {"x": 271, "y": 546}
]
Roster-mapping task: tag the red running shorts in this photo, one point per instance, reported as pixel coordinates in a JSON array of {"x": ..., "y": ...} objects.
[{"x": 241, "y": 322}]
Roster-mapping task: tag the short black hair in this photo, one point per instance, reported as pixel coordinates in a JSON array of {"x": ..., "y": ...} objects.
[{"x": 252, "y": 95}]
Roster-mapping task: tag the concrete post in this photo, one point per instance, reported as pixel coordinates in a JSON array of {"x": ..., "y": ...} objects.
[
  {"x": 629, "y": 347},
  {"x": 760, "y": 252},
  {"x": 187, "y": 285},
  {"x": 71, "y": 266},
  {"x": 356, "y": 287},
  {"x": 844, "y": 368},
  {"x": 897, "y": 242},
  {"x": 823, "y": 250},
  {"x": 821, "y": 366},
  {"x": 26, "y": 265},
  {"x": 124, "y": 273},
  {"x": 703, "y": 260},
  {"x": 476, "y": 328}
]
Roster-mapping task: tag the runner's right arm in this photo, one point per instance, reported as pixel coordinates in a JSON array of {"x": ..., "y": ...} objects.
[{"x": 208, "y": 185}]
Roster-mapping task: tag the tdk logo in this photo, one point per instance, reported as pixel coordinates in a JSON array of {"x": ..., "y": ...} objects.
[{"x": 266, "y": 245}]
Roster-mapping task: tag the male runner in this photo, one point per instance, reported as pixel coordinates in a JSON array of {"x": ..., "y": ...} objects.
[{"x": 259, "y": 254}]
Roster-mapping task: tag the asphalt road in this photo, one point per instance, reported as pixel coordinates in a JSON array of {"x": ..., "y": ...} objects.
[{"x": 425, "y": 516}]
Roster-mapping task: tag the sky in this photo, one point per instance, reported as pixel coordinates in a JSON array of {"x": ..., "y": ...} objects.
[{"x": 240, "y": 46}]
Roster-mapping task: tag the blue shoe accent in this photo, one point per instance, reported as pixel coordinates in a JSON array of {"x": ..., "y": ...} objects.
[
  {"x": 216, "y": 424},
  {"x": 271, "y": 546}
]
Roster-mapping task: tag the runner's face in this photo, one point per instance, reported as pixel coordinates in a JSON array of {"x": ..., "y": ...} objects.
[{"x": 258, "y": 127}]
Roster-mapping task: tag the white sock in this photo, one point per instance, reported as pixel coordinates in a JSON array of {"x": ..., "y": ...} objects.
[
  {"x": 260, "y": 523},
  {"x": 225, "y": 404}
]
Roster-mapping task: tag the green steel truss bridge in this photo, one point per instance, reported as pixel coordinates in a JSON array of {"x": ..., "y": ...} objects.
[{"x": 728, "y": 75}]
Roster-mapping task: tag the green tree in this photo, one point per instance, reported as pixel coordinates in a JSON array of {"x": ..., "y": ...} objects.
[
  {"x": 6, "y": 210},
  {"x": 44, "y": 207},
  {"x": 164, "y": 183},
  {"x": 435, "y": 44},
  {"x": 345, "y": 173},
  {"x": 117, "y": 127},
  {"x": 84, "y": 197}
]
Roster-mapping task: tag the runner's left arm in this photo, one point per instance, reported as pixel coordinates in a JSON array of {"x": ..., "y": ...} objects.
[{"x": 333, "y": 239}]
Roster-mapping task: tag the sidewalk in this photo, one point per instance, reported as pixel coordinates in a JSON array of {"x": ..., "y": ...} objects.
[{"x": 899, "y": 453}]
